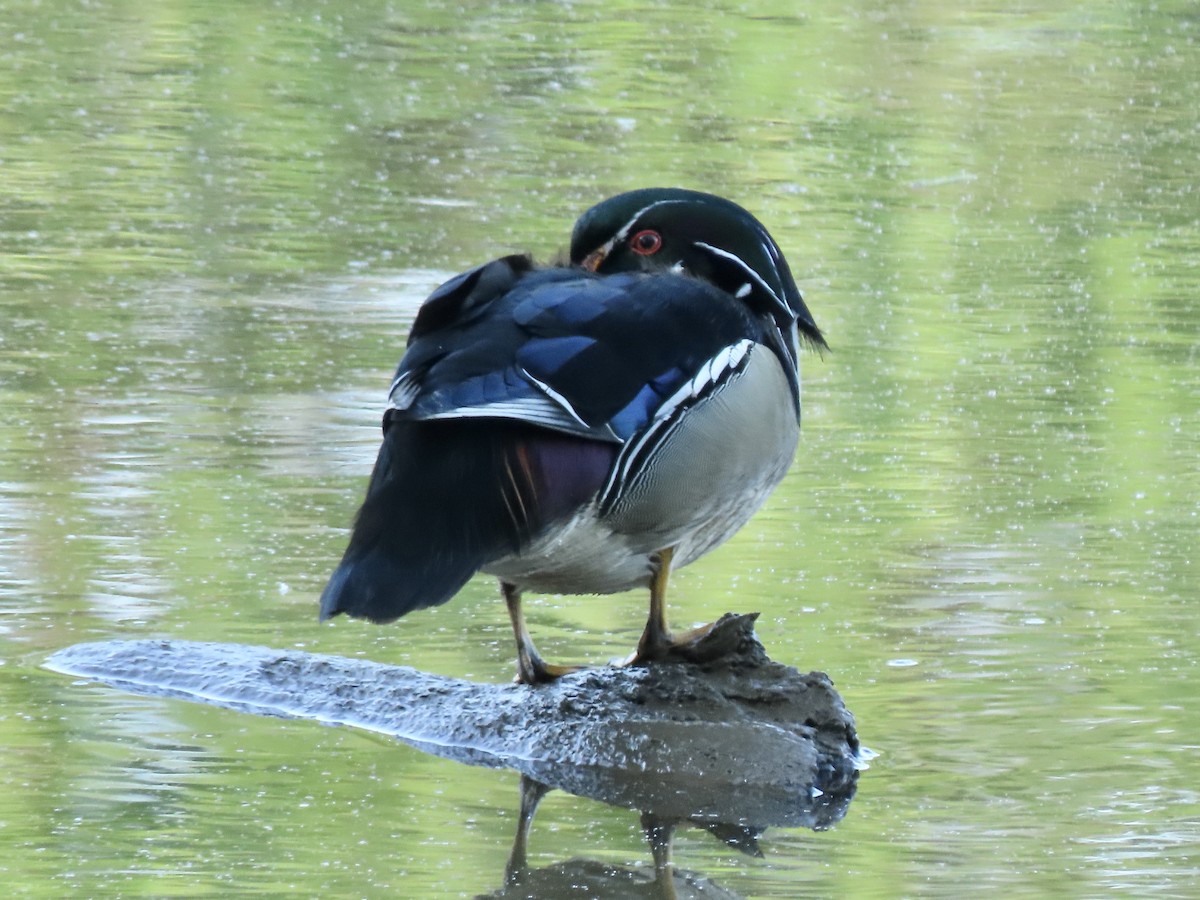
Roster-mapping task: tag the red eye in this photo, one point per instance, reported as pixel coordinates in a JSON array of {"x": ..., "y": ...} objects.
[{"x": 646, "y": 242}]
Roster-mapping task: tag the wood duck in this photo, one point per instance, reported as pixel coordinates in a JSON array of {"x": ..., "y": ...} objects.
[{"x": 585, "y": 428}]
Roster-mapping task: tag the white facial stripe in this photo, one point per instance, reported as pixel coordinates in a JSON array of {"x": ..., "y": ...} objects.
[
  {"x": 749, "y": 271},
  {"x": 628, "y": 226},
  {"x": 772, "y": 251}
]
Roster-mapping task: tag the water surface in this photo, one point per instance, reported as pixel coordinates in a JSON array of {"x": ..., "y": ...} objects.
[{"x": 217, "y": 223}]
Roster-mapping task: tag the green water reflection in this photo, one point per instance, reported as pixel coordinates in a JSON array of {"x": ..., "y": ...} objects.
[{"x": 216, "y": 223}]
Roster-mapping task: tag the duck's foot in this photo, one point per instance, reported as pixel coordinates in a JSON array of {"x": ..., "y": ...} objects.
[
  {"x": 531, "y": 668},
  {"x": 534, "y": 670},
  {"x": 725, "y": 637}
]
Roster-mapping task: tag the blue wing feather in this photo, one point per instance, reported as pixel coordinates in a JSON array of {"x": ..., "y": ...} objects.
[{"x": 563, "y": 349}]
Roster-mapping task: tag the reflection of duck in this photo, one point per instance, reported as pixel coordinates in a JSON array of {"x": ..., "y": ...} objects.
[
  {"x": 583, "y": 429},
  {"x": 592, "y": 878}
]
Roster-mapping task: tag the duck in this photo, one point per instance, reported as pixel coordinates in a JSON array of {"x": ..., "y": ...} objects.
[{"x": 585, "y": 428}]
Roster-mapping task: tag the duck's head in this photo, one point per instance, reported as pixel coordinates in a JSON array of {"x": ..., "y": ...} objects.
[{"x": 709, "y": 237}]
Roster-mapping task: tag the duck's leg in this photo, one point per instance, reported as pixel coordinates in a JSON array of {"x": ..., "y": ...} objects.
[
  {"x": 700, "y": 644},
  {"x": 656, "y": 641},
  {"x": 531, "y": 668}
]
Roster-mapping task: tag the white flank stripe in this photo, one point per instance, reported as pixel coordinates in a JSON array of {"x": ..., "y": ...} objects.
[
  {"x": 555, "y": 396},
  {"x": 531, "y": 409},
  {"x": 665, "y": 420},
  {"x": 403, "y": 391}
]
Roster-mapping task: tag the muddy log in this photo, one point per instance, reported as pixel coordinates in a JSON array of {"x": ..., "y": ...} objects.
[{"x": 724, "y": 735}]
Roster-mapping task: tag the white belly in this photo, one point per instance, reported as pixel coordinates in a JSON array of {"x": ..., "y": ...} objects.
[
  {"x": 583, "y": 556},
  {"x": 703, "y": 483}
]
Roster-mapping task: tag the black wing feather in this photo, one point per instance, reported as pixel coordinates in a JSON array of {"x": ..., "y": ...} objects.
[{"x": 446, "y": 497}]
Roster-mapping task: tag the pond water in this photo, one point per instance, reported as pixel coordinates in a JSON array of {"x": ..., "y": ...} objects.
[{"x": 217, "y": 221}]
